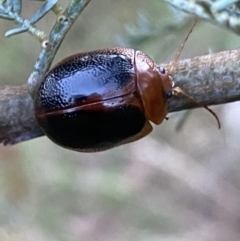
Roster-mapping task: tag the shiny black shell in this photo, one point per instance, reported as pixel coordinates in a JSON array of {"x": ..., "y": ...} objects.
[{"x": 91, "y": 102}]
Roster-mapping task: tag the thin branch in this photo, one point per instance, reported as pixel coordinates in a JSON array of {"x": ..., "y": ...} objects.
[
  {"x": 49, "y": 50},
  {"x": 210, "y": 79}
]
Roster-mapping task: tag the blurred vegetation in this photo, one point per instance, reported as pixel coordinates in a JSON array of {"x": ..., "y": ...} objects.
[{"x": 170, "y": 185}]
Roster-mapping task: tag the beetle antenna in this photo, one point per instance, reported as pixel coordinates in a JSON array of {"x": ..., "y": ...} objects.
[
  {"x": 173, "y": 67},
  {"x": 177, "y": 91}
]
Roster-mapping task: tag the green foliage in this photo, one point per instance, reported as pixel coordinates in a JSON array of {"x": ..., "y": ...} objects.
[{"x": 11, "y": 10}]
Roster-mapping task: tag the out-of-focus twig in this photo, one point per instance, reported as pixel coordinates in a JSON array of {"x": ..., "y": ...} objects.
[{"x": 225, "y": 14}]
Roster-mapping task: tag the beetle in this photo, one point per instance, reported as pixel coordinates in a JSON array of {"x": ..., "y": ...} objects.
[{"x": 96, "y": 100}]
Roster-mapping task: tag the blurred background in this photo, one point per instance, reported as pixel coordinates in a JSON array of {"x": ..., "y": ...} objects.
[{"x": 172, "y": 185}]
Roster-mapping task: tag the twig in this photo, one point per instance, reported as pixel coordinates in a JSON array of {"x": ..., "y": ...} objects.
[
  {"x": 50, "y": 47},
  {"x": 210, "y": 79}
]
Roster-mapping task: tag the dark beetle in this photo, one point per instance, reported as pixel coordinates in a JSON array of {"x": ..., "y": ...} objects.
[{"x": 97, "y": 100}]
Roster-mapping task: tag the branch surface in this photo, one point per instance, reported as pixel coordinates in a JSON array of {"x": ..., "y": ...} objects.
[{"x": 210, "y": 79}]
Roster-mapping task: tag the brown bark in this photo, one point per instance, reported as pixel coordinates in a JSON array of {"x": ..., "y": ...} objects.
[{"x": 210, "y": 79}]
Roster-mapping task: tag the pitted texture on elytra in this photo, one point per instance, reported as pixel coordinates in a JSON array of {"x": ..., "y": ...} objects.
[{"x": 82, "y": 76}]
